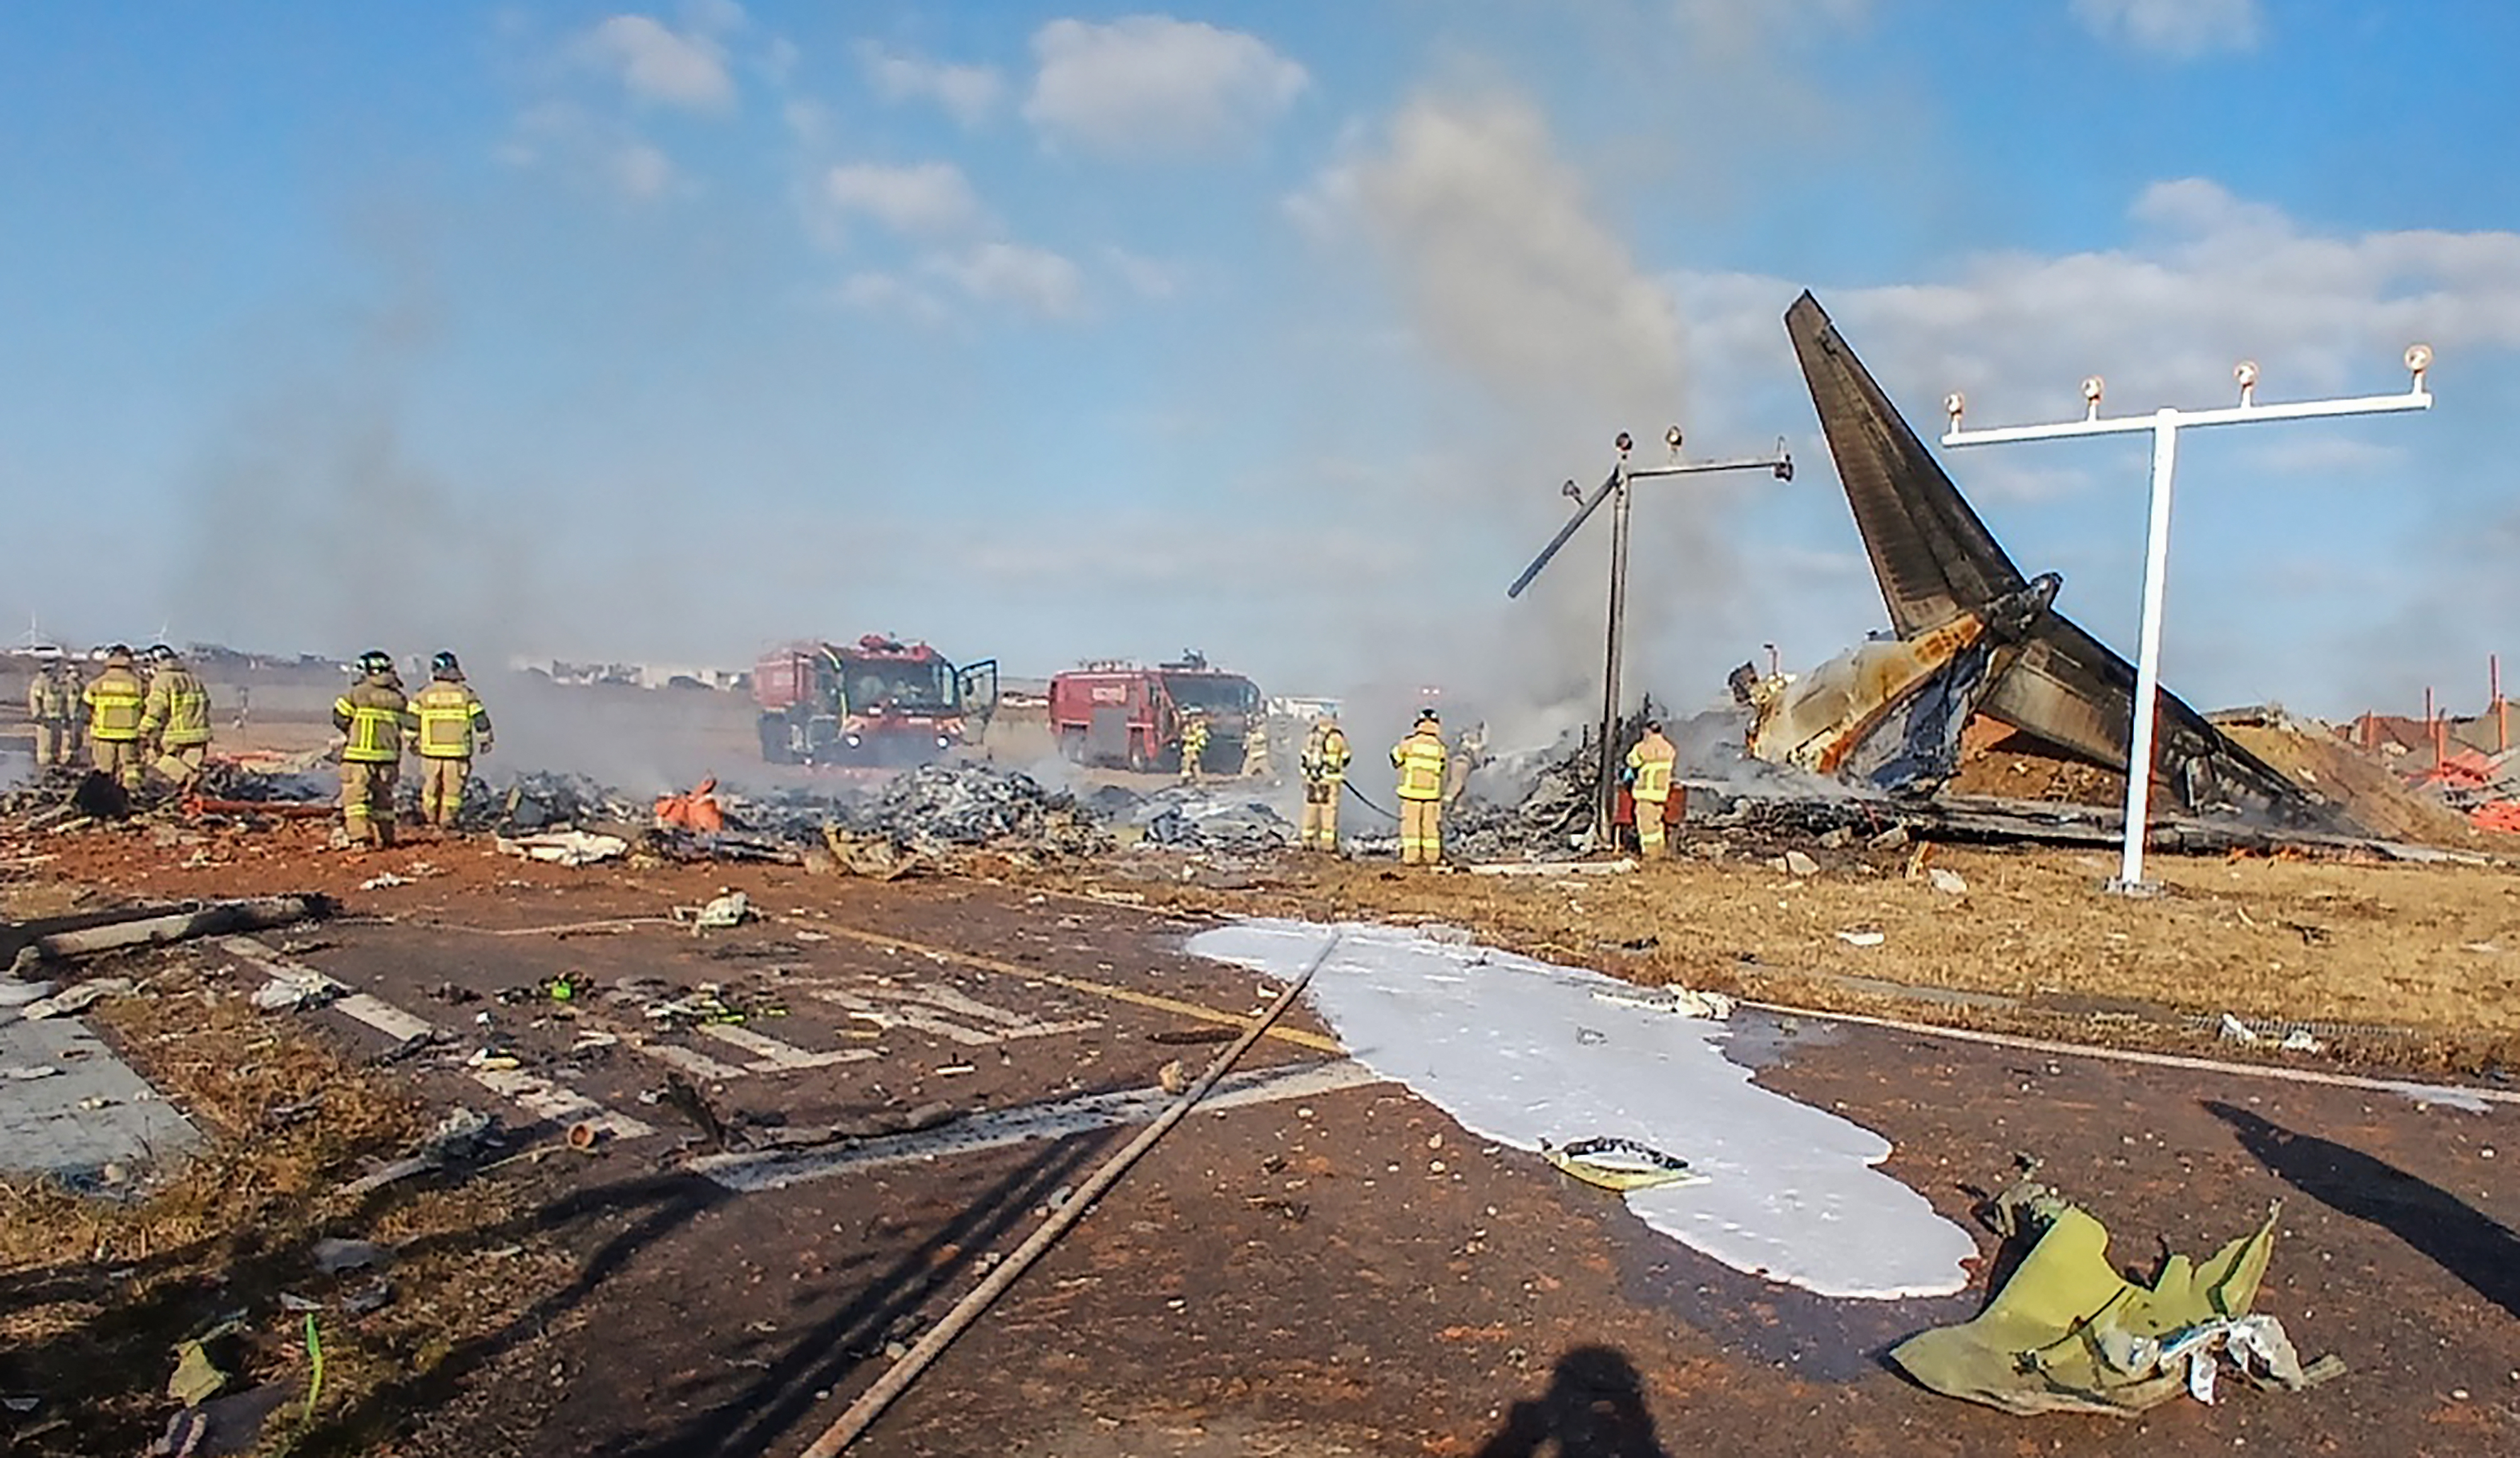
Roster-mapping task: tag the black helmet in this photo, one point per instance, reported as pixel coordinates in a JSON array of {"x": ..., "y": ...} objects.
[
  {"x": 443, "y": 666},
  {"x": 121, "y": 651},
  {"x": 159, "y": 653},
  {"x": 376, "y": 661}
]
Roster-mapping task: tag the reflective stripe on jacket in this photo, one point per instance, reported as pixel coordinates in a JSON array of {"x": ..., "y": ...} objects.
[
  {"x": 1325, "y": 757},
  {"x": 372, "y": 714},
  {"x": 450, "y": 715},
  {"x": 114, "y": 701},
  {"x": 1419, "y": 758},
  {"x": 177, "y": 710},
  {"x": 1653, "y": 771}
]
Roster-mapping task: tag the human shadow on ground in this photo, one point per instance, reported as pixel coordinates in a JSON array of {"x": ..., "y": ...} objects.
[
  {"x": 2462, "y": 1239},
  {"x": 1594, "y": 1409}
]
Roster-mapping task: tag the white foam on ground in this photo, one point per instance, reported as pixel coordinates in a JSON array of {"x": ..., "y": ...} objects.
[{"x": 1517, "y": 1051}]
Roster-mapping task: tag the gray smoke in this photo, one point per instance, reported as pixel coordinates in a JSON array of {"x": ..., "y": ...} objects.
[{"x": 1515, "y": 288}]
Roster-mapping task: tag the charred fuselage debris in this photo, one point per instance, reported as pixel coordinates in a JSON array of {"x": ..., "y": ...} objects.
[{"x": 1973, "y": 636}]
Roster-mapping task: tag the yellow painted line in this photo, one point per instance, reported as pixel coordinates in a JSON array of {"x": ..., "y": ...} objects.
[{"x": 1318, "y": 1042}]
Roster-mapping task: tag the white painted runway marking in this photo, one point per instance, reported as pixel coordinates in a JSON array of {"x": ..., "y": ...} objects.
[
  {"x": 774, "y": 1055},
  {"x": 911, "y": 1007},
  {"x": 537, "y": 1095}
]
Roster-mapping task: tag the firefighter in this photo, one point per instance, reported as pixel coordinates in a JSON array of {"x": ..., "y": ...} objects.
[
  {"x": 372, "y": 716},
  {"x": 1255, "y": 751},
  {"x": 1468, "y": 756},
  {"x": 453, "y": 724},
  {"x": 114, "y": 700},
  {"x": 1194, "y": 744},
  {"x": 48, "y": 704},
  {"x": 1419, "y": 758},
  {"x": 176, "y": 718},
  {"x": 1325, "y": 766},
  {"x": 1649, "y": 766}
]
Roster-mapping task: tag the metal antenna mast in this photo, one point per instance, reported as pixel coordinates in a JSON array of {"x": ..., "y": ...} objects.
[{"x": 1615, "y": 488}]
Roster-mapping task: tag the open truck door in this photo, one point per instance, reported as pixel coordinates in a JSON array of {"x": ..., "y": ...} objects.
[{"x": 977, "y": 686}]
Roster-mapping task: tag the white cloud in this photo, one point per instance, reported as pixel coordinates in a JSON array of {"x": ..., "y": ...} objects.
[
  {"x": 1031, "y": 278},
  {"x": 641, "y": 170},
  {"x": 592, "y": 150},
  {"x": 2180, "y": 29},
  {"x": 969, "y": 94},
  {"x": 883, "y": 291},
  {"x": 1148, "y": 277},
  {"x": 656, "y": 63},
  {"x": 1153, "y": 86},
  {"x": 809, "y": 122},
  {"x": 2211, "y": 278},
  {"x": 923, "y": 199}
]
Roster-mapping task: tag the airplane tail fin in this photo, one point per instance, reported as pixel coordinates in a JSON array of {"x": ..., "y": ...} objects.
[{"x": 1936, "y": 562}]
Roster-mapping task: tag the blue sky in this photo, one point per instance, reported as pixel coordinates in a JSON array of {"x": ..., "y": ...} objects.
[{"x": 1052, "y": 334}]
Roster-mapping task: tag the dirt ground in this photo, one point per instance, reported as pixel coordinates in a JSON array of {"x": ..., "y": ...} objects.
[{"x": 1329, "y": 1266}]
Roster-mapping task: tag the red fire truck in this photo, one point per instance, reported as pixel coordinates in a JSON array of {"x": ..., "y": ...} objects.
[
  {"x": 875, "y": 702},
  {"x": 1122, "y": 714}
]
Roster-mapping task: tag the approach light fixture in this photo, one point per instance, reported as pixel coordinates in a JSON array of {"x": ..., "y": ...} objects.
[
  {"x": 2246, "y": 372},
  {"x": 2094, "y": 387},
  {"x": 1626, "y": 442},
  {"x": 1953, "y": 405}
]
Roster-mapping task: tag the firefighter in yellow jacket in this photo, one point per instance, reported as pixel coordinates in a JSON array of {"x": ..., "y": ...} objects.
[
  {"x": 114, "y": 700},
  {"x": 1325, "y": 766},
  {"x": 49, "y": 696},
  {"x": 1650, "y": 768},
  {"x": 1419, "y": 758},
  {"x": 372, "y": 717},
  {"x": 453, "y": 727},
  {"x": 1194, "y": 744},
  {"x": 176, "y": 718}
]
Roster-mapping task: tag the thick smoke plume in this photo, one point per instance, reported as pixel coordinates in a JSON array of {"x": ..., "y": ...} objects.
[{"x": 1515, "y": 288}]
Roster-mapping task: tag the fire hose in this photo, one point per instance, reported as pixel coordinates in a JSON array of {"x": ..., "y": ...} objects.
[{"x": 1368, "y": 804}]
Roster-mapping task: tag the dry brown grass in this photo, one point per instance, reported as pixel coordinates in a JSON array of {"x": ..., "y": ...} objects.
[
  {"x": 100, "y": 1290},
  {"x": 2434, "y": 949}
]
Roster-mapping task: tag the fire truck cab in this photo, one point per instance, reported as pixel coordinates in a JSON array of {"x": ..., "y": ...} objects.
[
  {"x": 1125, "y": 715},
  {"x": 878, "y": 701}
]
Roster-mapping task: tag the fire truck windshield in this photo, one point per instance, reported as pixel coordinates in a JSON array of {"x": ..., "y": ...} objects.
[
  {"x": 1217, "y": 693},
  {"x": 906, "y": 685}
]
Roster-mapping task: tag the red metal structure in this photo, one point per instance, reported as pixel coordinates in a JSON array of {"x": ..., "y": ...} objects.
[
  {"x": 877, "y": 701},
  {"x": 1125, "y": 715}
]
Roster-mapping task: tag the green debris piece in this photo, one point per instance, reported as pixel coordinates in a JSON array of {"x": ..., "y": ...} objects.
[
  {"x": 196, "y": 1379},
  {"x": 2068, "y": 1333},
  {"x": 315, "y": 1368}
]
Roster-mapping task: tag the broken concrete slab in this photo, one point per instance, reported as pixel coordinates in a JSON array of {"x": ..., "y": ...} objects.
[{"x": 97, "y": 1113}]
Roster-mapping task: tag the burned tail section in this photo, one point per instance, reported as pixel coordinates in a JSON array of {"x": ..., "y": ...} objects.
[{"x": 1937, "y": 563}]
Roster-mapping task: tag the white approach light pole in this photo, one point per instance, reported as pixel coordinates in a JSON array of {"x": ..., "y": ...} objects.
[{"x": 2165, "y": 425}]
